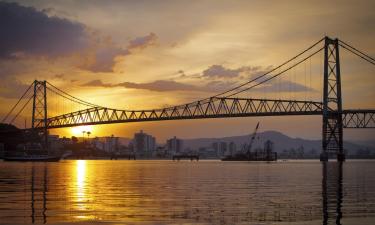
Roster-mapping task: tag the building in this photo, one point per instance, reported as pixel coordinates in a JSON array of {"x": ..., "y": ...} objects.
[
  {"x": 54, "y": 142},
  {"x": 174, "y": 146},
  {"x": 111, "y": 144},
  {"x": 207, "y": 153},
  {"x": 220, "y": 148},
  {"x": 144, "y": 144},
  {"x": 232, "y": 148}
]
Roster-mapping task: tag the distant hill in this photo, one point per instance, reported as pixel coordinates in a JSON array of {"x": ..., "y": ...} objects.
[
  {"x": 7, "y": 127},
  {"x": 280, "y": 140}
]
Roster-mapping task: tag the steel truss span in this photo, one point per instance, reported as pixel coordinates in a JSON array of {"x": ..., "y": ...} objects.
[
  {"x": 211, "y": 108},
  {"x": 358, "y": 118}
]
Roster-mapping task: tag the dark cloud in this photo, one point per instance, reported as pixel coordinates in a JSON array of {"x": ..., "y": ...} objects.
[
  {"x": 213, "y": 86},
  {"x": 181, "y": 74},
  {"x": 143, "y": 42},
  {"x": 220, "y": 71},
  {"x": 159, "y": 85},
  {"x": 96, "y": 83},
  {"x": 59, "y": 76},
  {"x": 219, "y": 86},
  {"x": 27, "y": 31},
  {"x": 103, "y": 59}
]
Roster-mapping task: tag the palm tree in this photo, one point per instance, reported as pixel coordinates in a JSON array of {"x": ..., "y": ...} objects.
[
  {"x": 88, "y": 135},
  {"x": 83, "y": 135}
]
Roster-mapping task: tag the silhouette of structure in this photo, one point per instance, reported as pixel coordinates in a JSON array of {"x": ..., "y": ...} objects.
[
  {"x": 332, "y": 192},
  {"x": 226, "y": 104},
  {"x": 332, "y": 102}
]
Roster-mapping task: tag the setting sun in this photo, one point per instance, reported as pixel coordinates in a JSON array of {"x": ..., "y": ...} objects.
[{"x": 76, "y": 131}]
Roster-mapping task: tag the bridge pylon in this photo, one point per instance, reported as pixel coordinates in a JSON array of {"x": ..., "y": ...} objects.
[
  {"x": 39, "y": 112},
  {"x": 332, "y": 103}
]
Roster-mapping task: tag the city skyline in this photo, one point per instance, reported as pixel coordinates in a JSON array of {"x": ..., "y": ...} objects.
[{"x": 145, "y": 65}]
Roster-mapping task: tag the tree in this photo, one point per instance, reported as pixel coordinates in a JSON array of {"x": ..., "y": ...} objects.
[
  {"x": 74, "y": 139},
  {"x": 83, "y": 135}
]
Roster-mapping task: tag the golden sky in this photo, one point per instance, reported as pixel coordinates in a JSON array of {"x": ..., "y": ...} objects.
[{"x": 150, "y": 54}]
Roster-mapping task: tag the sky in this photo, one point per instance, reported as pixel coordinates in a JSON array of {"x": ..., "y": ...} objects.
[{"x": 152, "y": 54}]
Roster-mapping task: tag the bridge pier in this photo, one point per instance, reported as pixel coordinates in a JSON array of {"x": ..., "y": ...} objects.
[
  {"x": 323, "y": 157},
  {"x": 332, "y": 139},
  {"x": 341, "y": 157}
]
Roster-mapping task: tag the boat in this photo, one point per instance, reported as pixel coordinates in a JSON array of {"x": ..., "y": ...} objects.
[
  {"x": 31, "y": 152},
  {"x": 32, "y": 158},
  {"x": 246, "y": 154}
]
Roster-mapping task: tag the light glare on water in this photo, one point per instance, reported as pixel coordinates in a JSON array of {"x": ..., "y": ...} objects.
[{"x": 207, "y": 192}]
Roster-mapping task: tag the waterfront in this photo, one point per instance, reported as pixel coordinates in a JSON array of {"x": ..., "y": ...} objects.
[{"x": 207, "y": 192}]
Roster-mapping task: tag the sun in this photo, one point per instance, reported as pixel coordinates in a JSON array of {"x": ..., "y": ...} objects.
[{"x": 77, "y": 131}]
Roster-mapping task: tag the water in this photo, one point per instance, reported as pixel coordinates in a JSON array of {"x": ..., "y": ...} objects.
[{"x": 204, "y": 192}]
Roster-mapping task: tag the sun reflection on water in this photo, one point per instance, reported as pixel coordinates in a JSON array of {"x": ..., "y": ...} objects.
[{"x": 81, "y": 181}]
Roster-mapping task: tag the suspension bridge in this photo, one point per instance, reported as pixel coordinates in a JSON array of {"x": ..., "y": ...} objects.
[{"x": 230, "y": 103}]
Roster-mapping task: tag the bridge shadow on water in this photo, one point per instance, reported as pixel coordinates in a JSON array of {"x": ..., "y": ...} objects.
[
  {"x": 332, "y": 192},
  {"x": 38, "y": 214}
]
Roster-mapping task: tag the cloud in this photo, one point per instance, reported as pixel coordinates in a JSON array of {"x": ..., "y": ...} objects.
[
  {"x": 103, "y": 56},
  {"x": 159, "y": 85},
  {"x": 27, "y": 31},
  {"x": 12, "y": 88},
  {"x": 102, "y": 59},
  {"x": 59, "y": 76},
  {"x": 219, "y": 86},
  {"x": 220, "y": 71},
  {"x": 96, "y": 83},
  {"x": 143, "y": 42},
  {"x": 286, "y": 86}
]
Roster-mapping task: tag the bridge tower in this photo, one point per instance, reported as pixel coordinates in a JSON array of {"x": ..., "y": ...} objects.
[
  {"x": 39, "y": 113},
  {"x": 332, "y": 103}
]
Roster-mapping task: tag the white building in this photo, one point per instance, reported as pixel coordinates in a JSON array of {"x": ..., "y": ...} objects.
[
  {"x": 144, "y": 144},
  {"x": 174, "y": 145}
]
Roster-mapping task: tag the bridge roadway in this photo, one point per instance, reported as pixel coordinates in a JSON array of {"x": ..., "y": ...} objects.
[{"x": 216, "y": 107}]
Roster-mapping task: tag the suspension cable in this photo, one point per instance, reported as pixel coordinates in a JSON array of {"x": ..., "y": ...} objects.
[
  {"x": 252, "y": 80},
  {"x": 73, "y": 100},
  {"x": 342, "y": 42},
  {"x": 276, "y": 75},
  {"x": 77, "y": 99},
  {"x": 357, "y": 54},
  {"x": 19, "y": 112},
  {"x": 272, "y": 70},
  {"x": 19, "y": 100}
]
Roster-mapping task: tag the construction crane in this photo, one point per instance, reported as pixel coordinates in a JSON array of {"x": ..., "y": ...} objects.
[{"x": 252, "y": 140}]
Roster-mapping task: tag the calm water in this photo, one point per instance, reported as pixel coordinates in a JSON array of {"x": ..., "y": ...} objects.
[{"x": 205, "y": 192}]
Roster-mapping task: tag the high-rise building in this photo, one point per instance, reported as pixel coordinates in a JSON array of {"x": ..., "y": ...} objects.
[
  {"x": 232, "y": 148},
  {"x": 144, "y": 144},
  {"x": 220, "y": 148},
  {"x": 174, "y": 145},
  {"x": 111, "y": 144}
]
